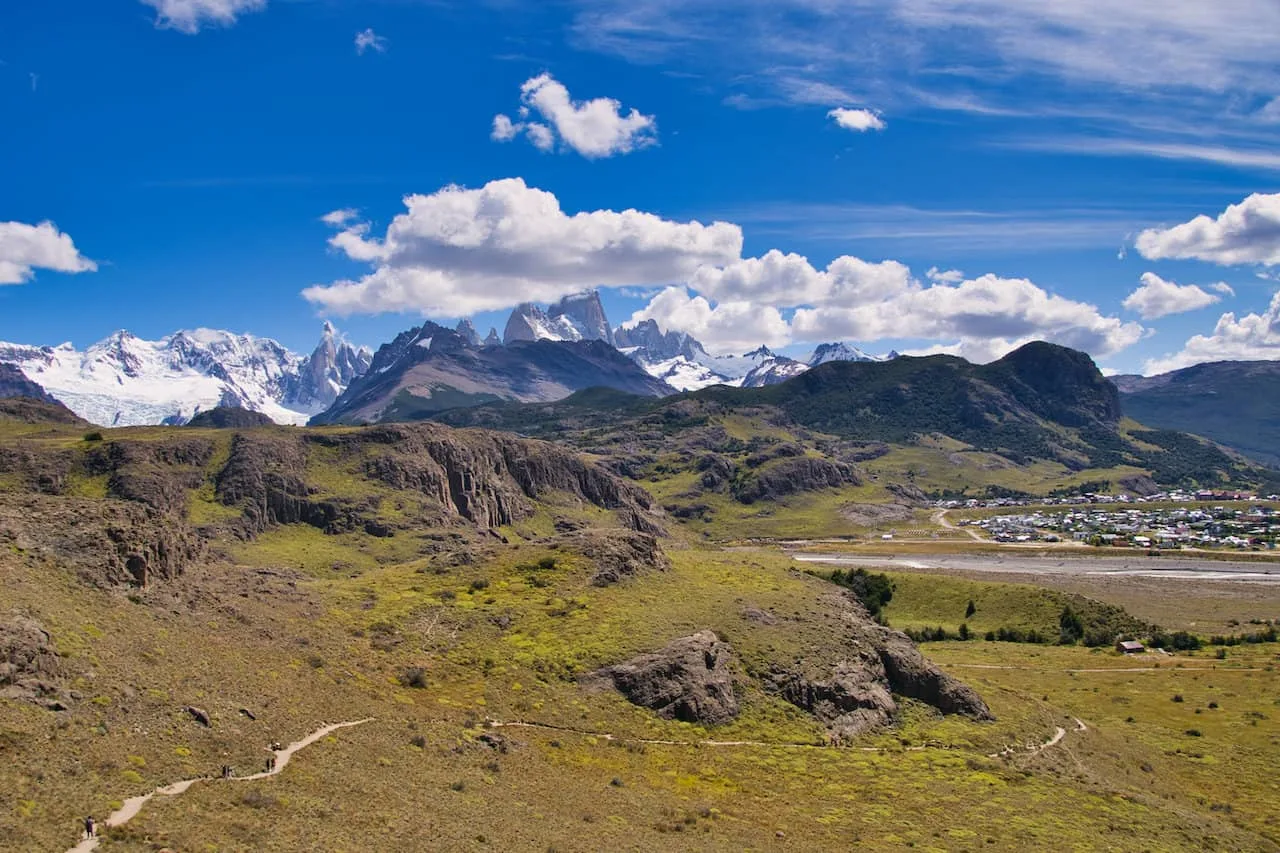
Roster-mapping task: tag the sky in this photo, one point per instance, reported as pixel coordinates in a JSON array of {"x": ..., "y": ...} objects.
[{"x": 954, "y": 176}]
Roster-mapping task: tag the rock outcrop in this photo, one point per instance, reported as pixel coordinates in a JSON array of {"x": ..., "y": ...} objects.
[
  {"x": 227, "y": 417},
  {"x": 30, "y": 668},
  {"x": 857, "y": 692},
  {"x": 853, "y": 697},
  {"x": 105, "y": 542},
  {"x": 616, "y": 554},
  {"x": 788, "y": 476},
  {"x": 691, "y": 680}
]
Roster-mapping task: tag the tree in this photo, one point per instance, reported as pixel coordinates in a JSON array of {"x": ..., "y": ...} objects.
[
  {"x": 970, "y": 609},
  {"x": 1071, "y": 627}
]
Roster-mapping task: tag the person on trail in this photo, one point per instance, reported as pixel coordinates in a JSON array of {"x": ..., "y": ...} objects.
[
  {"x": 90, "y": 827},
  {"x": 271, "y": 764},
  {"x": 226, "y": 771}
]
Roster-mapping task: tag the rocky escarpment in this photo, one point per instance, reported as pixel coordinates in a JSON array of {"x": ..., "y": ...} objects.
[
  {"x": 14, "y": 383},
  {"x": 788, "y": 476},
  {"x": 104, "y": 542},
  {"x": 158, "y": 474},
  {"x": 691, "y": 680},
  {"x": 484, "y": 479},
  {"x": 30, "y": 668}
]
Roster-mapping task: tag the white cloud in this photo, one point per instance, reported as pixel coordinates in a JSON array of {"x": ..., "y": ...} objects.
[
  {"x": 987, "y": 308},
  {"x": 1270, "y": 113},
  {"x": 367, "y": 39},
  {"x": 458, "y": 251},
  {"x": 1245, "y": 233},
  {"x": 594, "y": 129},
  {"x": 728, "y": 327},
  {"x": 188, "y": 16},
  {"x": 1223, "y": 288},
  {"x": 338, "y": 218},
  {"x": 1253, "y": 337},
  {"x": 504, "y": 129},
  {"x": 25, "y": 248},
  {"x": 857, "y": 120},
  {"x": 1180, "y": 59},
  {"x": 1157, "y": 298},
  {"x": 944, "y": 276}
]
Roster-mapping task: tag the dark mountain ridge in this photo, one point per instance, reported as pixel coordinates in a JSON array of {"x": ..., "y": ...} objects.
[
  {"x": 431, "y": 369},
  {"x": 1235, "y": 403}
]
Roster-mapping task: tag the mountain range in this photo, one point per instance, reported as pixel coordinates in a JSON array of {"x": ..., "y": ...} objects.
[
  {"x": 544, "y": 354},
  {"x": 127, "y": 381}
]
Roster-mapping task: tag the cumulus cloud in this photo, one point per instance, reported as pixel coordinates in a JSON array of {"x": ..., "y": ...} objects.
[
  {"x": 367, "y": 39},
  {"x": 1253, "y": 337},
  {"x": 1157, "y": 297},
  {"x": 25, "y": 248},
  {"x": 734, "y": 326},
  {"x": 596, "y": 128},
  {"x": 458, "y": 251},
  {"x": 857, "y": 120},
  {"x": 944, "y": 276},
  {"x": 986, "y": 308},
  {"x": 188, "y": 16},
  {"x": 1245, "y": 233},
  {"x": 854, "y": 299}
]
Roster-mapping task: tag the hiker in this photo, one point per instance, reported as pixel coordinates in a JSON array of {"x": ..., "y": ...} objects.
[
  {"x": 226, "y": 771},
  {"x": 271, "y": 764},
  {"x": 275, "y": 746},
  {"x": 90, "y": 827}
]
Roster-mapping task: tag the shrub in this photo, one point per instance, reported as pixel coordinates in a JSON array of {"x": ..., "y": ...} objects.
[
  {"x": 873, "y": 590},
  {"x": 93, "y": 436},
  {"x": 1177, "y": 697},
  {"x": 415, "y": 677},
  {"x": 970, "y": 609},
  {"x": 1193, "y": 733},
  {"x": 479, "y": 584}
]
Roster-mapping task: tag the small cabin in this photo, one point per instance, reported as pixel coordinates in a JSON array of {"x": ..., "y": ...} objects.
[{"x": 1130, "y": 647}]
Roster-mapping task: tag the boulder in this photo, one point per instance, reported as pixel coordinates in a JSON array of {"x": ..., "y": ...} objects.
[
  {"x": 30, "y": 668},
  {"x": 200, "y": 715},
  {"x": 691, "y": 679}
]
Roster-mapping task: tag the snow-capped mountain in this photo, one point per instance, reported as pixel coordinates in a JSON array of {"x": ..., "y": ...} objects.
[
  {"x": 840, "y": 351},
  {"x": 772, "y": 371},
  {"x": 127, "y": 381},
  {"x": 579, "y": 317}
]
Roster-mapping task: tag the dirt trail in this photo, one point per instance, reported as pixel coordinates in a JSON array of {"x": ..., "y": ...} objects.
[
  {"x": 940, "y": 519},
  {"x": 1054, "y": 740},
  {"x": 133, "y": 805}
]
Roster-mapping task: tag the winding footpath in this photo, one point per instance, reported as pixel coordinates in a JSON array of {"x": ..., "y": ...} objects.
[
  {"x": 1054, "y": 740},
  {"x": 133, "y": 805}
]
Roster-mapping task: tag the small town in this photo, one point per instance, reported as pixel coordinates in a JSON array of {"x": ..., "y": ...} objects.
[{"x": 1254, "y": 527}]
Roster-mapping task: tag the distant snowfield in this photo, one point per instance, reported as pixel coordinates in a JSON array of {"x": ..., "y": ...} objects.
[{"x": 127, "y": 381}]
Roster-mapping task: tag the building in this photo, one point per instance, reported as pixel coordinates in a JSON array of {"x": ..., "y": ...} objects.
[{"x": 1130, "y": 647}]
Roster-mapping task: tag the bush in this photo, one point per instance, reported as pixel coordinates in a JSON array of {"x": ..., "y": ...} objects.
[
  {"x": 970, "y": 609},
  {"x": 874, "y": 591},
  {"x": 479, "y": 584},
  {"x": 963, "y": 633},
  {"x": 93, "y": 436},
  {"x": 415, "y": 677},
  {"x": 1181, "y": 641}
]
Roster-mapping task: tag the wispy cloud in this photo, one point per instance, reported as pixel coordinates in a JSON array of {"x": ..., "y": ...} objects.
[
  {"x": 1164, "y": 71},
  {"x": 367, "y": 40},
  {"x": 1251, "y": 158},
  {"x": 955, "y": 231}
]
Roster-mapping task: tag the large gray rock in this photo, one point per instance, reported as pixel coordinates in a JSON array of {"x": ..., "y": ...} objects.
[
  {"x": 851, "y": 699},
  {"x": 911, "y": 674},
  {"x": 30, "y": 669},
  {"x": 692, "y": 680}
]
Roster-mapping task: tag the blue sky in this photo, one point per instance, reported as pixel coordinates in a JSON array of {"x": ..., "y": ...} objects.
[{"x": 189, "y": 149}]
